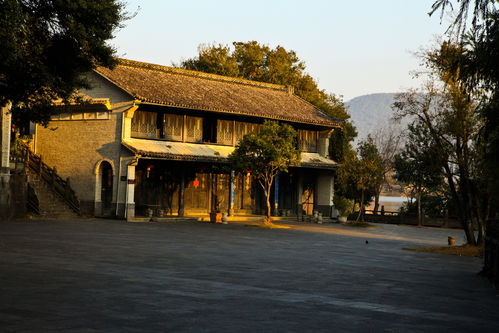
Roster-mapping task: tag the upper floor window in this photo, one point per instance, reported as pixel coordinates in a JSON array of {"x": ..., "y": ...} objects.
[
  {"x": 225, "y": 132},
  {"x": 173, "y": 127},
  {"x": 193, "y": 129},
  {"x": 307, "y": 140},
  {"x": 145, "y": 125},
  {"x": 183, "y": 128},
  {"x": 244, "y": 128},
  {"x": 229, "y": 132}
]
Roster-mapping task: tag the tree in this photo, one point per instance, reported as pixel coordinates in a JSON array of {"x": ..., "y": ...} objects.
[
  {"x": 253, "y": 61},
  {"x": 267, "y": 153},
  {"x": 477, "y": 66},
  {"x": 359, "y": 174},
  {"x": 214, "y": 59},
  {"x": 482, "y": 9},
  {"x": 417, "y": 165},
  {"x": 387, "y": 141},
  {"x": 48, "y": 45},
  {"x": 447, "y": 111}
]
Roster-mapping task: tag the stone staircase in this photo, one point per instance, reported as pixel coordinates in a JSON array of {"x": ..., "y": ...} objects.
[
  {"x": 48, "y": 194},
  {"x": 50, "y": 204}
]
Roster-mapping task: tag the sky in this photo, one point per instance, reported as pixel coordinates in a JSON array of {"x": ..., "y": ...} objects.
[{"x": 351, "y": 48}]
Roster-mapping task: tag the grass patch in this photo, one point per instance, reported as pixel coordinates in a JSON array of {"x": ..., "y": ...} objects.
[
  {"x": 267, "y": 225},
  {"x": 462, "y": 250}
]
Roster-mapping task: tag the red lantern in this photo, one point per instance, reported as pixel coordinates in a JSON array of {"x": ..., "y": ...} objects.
[{"x": 195, "y": 183}]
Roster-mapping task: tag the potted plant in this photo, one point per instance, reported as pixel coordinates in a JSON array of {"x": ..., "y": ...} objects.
[
  {"x": 215, "y": 214},
  {"x": 344, "y": 207}
]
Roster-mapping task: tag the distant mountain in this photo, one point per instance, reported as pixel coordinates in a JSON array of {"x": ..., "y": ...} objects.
[{"x": 371, "y": 112}]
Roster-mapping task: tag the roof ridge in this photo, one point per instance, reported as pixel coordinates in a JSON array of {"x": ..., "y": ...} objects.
[{"x": 187, "y": 72}]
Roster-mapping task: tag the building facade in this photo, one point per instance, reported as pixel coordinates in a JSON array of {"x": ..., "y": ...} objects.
[{"x": 154, "y": 140}]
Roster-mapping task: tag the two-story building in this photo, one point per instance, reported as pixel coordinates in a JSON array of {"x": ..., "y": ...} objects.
[{"x": 154, "y": 139}]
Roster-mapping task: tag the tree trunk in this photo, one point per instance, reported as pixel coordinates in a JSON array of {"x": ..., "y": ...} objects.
[
  {"x": 463, "y": 216},
  {"x": 419, "y": 213},
  {"x": 266, "y": 184},
  {"x": 267, "y": 201},
  {"x": 361, "y": 207},
  {"x": 376, "y": 205},
  {"x": 377, "y": 193},
  {"x": 480, "y": 220}
]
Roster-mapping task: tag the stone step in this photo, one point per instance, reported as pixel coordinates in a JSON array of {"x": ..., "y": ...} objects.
[{"x": 50, "y": 203}]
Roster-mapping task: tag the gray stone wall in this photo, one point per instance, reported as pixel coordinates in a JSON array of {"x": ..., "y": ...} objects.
[
  {"x": 325, "y": 192},
  {"x": 77, "y": 147}
]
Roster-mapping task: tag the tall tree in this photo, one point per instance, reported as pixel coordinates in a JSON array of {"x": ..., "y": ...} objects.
[
  {"x": 215, "y": 59},
  {"x": 45, "y": 47},
  {"x": 482, "y": 9},
  {"x": 448, "y": 112},
  {"x": 387, "y": 141},
  {"x": 359, "y": 174},
  {"x": 254, "y": 61},
  {"x": 418, "y": 165},
  {"x": 477, "y": 66},
  {"x": 267, "y": 153},
  {"x": 48, "y": 45}
]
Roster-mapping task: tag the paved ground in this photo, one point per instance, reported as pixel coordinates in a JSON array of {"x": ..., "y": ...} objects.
[{"x": 113, "y": 276}]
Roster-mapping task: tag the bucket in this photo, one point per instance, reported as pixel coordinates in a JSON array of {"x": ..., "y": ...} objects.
[{"x": 451, "y": 240}]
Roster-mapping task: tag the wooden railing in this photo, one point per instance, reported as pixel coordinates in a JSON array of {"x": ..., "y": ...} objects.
[
  {"x": 381, "y": 212},
  {"x": 48, "y": 174}
]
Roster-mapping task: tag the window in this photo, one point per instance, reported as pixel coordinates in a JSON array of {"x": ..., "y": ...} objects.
[
  {"x": 307, "y": 140},
  {"x": 225, "y": 132},
  {"x": 194, "y": 129},
  {"x": 244, "y": 128},
  {"x": 144, "y": 125},
  {"x": 173, "y": 125},
  {"x": 82, "y": 116}
]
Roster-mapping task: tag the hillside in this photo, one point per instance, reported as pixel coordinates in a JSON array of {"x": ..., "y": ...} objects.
[{"x": 371, "y": 112}]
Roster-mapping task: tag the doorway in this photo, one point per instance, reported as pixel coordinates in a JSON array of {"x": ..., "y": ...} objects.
[{"x": 106, "y": 187}]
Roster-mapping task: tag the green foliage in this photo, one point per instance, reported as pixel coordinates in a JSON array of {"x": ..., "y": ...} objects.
[
  {"x": 271, "y": 150},
  {"x": 433, "y": 204},
  {"x": 48, "y": 45},
  {"x": 476, "y": 65},
  {"x": 254, "y": 61},
  {"x": 448, "y": 127},
  {"x": 267, "y": 153},
  {"x": 343, "y": 205},
  {"x": 482, "y": 9},
  {"x": 420, "y": 163},
  {"x": 214, "y": 59},
  {"x": 359, "y": 174}
]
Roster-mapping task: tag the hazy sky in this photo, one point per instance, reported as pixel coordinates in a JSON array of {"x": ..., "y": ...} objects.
[{"x": 351, "y": 48}]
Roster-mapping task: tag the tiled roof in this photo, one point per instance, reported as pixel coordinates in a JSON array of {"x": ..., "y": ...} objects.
[
  {"x": 184, "y": 151},
  {"x": 201, "y": 91}
]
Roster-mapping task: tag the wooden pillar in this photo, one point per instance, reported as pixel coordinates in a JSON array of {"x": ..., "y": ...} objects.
[
  {"x": 5, "y": 189},
  {"x": 276, "y": 195},
  {"x": 181, "y": 194},
  {"x": 231, "y": 192},
  {"x": 299, "y": 194},
  {"x": 5, "y": 131},
  {"x": 130, "y": 194}
]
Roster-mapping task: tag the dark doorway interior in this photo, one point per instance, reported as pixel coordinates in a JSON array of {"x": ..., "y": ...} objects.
[{"x": 106, "y": 187}]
